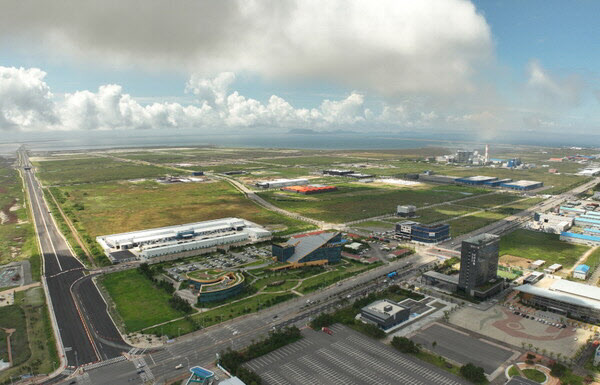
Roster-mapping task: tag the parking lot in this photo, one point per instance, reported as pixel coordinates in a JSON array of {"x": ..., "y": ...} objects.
[
  {"x": 462, "y": 348},
  {"x": 345, "y": 357},
  {"x": 220, "y": 261}
]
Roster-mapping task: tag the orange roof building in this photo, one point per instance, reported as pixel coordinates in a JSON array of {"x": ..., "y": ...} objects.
[{"x": 311, "y": 189}]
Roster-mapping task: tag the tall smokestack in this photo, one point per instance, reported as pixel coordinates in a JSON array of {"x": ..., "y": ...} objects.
[{"x": 487, "y": 153}]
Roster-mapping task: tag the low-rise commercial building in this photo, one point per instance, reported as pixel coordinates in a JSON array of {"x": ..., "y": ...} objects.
[
  {"x": 279, "y": 183},
  {"x": 417, "y": 232},
  {"x": 553, "y": 268},
  {"x": 476, "y": 180},
  {"x": 309, "y": 190},
  {"x": 179, "y": 241},
  {"x": 310, "y": 247},
  {"x": 581, "y": 272},
  {"x": 568, "y": 298},
  {"x": 406, "y": 211},
  {"x": 385, "y": 313},
  {"x": 523, "y": 185}
]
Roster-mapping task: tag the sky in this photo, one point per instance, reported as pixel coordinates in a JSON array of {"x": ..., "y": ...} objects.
[{"x": 487, "y": 68}]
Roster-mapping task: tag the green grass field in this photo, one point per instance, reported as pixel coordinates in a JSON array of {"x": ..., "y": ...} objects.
[
  {"x": 93, "y": 170},
  {"x": 110, "y": 208},
  {"x": 491, "y": 200},
  {"x": 17, "y": 235},
  {"x": 354, "y": 201},
  {"x": 535, "y": 245},
  {"x": 442, "y": 213},
  {"x": 139, "y": 303},
  {"x": 223, "y": 313},
  {"x": 33, "y": 344}
]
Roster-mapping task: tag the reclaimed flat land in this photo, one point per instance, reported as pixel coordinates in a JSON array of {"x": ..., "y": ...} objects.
[
  {"x": 110, "y": 208},
  {"x": 17, "y": 236},
  {"x": 33, "y": 345},
  {"x": 345, "y": 357},
  {"x": 93, "y": 170},
  {"x": 442, "y": 213},
  {"x": 477, "y": 220},
  {"x": 139, "y": 303},
  {"x": 354, "y": 201},
  {"x": 492, "y": 200},
  {"x": 535, "y": 245}
]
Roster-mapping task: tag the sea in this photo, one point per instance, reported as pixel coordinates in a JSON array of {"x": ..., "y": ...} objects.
[{"x": 94, "y": 140}]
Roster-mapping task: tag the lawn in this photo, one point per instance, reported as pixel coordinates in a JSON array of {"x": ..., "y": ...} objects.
[
  {"x": 535, "y": 245},
  {"x": 220, "y": 314},
  {"x": 355, "y": 201},
  {"x": 348, "y": 269},
  {"x": 534, "y": 375},
  {"x": 93, "y": 170},
  {"x": 138, "y": 302},
  {"x": 33, "y": 344},
  {"x": 110, "y": 208},
  {"x": 593, "y": 260}
]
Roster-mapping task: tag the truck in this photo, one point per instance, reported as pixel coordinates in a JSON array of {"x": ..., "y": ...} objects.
[{"x": 392, "y": 275}]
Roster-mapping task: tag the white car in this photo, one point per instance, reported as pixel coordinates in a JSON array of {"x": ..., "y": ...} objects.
[{"x": 179, "y": 366}]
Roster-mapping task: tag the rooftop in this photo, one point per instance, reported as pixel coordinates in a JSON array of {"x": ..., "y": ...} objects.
[
  {"x": 305, "y": 244},
  {"x": 384, "y": 308},
  {"x": 523, "y": 183},
  {"x": 482, "y": 238}
]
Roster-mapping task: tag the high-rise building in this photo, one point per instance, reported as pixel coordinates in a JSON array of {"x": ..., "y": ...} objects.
[{"x": 479, "y": 265}]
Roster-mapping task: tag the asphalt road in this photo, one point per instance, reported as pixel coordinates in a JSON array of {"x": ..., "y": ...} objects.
[
  {"x": 200, "y": 348},
  {"x": 86, "y": 331}
]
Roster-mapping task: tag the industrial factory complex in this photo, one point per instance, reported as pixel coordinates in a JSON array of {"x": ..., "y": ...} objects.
[
  {"x": 480, "y": 180},
  {"x": 172, "y": 242}
]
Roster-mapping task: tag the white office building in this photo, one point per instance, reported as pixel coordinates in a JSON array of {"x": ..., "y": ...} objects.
[{"x": 181, "y": 240}]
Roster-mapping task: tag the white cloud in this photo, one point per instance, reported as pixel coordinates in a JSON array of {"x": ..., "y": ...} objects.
[
  {"x": 25, "y": 99},
  {"x": 391, "y": 46},
  {"x": 551, "y": 91},
  {"x": 26, "y": 103}
]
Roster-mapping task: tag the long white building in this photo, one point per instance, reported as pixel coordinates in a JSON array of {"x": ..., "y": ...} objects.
[
  {"x": 277, "y": 183},
  {"x": 181, "y": 240}
]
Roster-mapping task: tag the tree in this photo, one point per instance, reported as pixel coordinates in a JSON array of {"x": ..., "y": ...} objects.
[
  {"x": 472, "y": 373},
  {"x": 405, "y": 345},
  {"x": 558, "y": 370}
]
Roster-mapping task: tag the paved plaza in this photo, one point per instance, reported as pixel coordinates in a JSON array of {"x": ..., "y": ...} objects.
[{"x": 501, "y": 324}]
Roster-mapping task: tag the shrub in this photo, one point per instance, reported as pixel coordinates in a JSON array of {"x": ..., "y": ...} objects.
[{"x": 472, "y": 373}]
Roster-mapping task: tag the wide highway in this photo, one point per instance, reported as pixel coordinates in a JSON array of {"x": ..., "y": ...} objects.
[{"x": 85, "y": 330}]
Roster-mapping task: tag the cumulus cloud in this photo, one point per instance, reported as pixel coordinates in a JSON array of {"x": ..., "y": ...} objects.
[
  {"x": 391, "y": 46},
  {"x": 25, "y": 99},
  {"x": 26, "y": 103}
]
